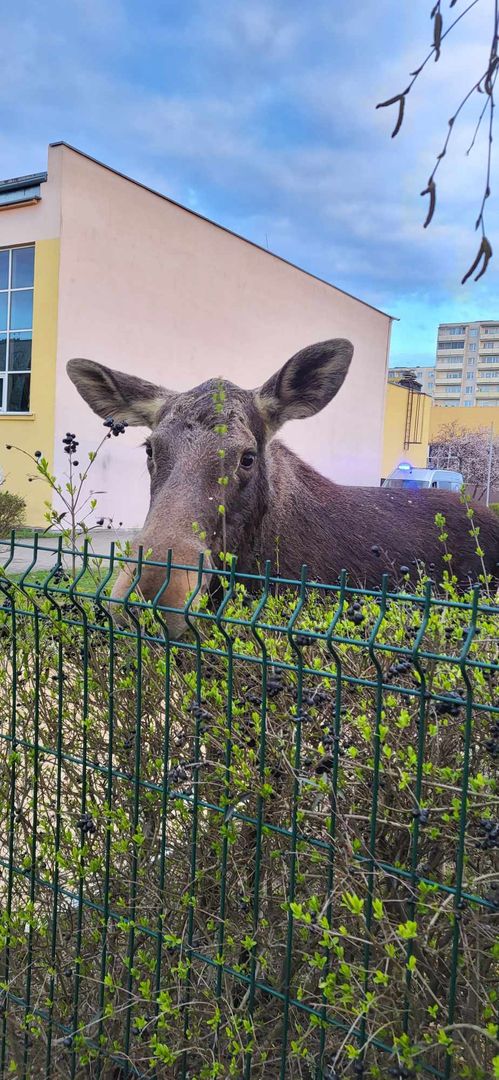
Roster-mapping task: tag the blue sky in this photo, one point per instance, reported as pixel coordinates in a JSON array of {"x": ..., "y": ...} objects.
[{"x": 261, "y": 115}]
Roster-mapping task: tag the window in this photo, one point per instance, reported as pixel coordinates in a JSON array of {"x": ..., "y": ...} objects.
[
  {"x": 471, "y": 361},
  {"x": 16, "y": 323},
  {"x": 453, "y": 375},
  {"x": 489, "y": 360},
  {"x": 473, "y": 332},
  {"x": 489, "y": 345},
  {"x": 488, "y": 374},
  {"x": 468, "y": 404},
  {"x": 406, "y": 485},
  {"x": 470, "y": 375},
  {"x": 456, "y": 331},
  {"x": 469, "y": 389},
  {"x": 493, "y": 403},
  {"x": 490, "y": 329},
  {"x": 451, "y": 344},
  {"x": 472, "y": 346}
]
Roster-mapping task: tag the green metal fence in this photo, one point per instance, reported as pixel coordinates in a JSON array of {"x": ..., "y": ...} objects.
[{"x": 269, "y": 849}]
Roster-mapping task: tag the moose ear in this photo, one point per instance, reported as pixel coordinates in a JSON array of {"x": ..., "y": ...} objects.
[
  {"x": 116, "y": 394},
  {"x": 305, "y": 384}
]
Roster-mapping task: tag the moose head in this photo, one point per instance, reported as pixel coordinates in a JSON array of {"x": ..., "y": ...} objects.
[{"x": 215, "y": 473}]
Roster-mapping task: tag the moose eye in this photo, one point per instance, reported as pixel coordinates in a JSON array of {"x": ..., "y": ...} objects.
[
  {"x": 247, "y": 459},
  {"x": 149, "y": 450}
]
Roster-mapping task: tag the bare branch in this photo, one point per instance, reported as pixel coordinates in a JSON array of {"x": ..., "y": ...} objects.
[
  {"x": 484, "y": 85},
  {"x": 456, "y": 447},
  {"x": 415, "y": 74},
  {"x": 479, "y": 121}
]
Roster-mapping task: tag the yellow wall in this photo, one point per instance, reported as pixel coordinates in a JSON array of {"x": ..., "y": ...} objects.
[
  {"x": 35, "y": 431},
  {"x": 394, "y": 430},
  {"x": 473, "y": 418}
]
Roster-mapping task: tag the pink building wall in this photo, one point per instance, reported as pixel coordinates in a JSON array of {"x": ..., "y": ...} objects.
[
  {"x": 152, "y": 289},
  {"x": 39, "y": 221}
]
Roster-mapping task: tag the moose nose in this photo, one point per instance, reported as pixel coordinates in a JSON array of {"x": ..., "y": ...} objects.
[{"x": 169, "y": 586}]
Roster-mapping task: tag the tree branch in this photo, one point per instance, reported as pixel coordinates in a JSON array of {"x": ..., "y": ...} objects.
[{"x": 484, "y": 85}]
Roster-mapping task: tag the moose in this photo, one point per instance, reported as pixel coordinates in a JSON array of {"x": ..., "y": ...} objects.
[{"x": 276, "y": 507}]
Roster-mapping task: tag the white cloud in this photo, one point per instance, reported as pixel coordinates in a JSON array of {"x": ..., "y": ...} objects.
[
  {"x": 263, "y": 116},
  {"x": 259, "y": 27}
]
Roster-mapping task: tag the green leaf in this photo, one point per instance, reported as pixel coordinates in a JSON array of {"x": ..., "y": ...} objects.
[
  {"x": 378, "y": 909},
  {"x": 408, "y": 930},
  {"x": 353, "y": 903}
]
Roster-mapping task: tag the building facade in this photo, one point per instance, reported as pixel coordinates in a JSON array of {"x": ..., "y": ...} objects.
[
  {"x": 425, "y": 376},
  {"x": 407, "y": 428},
  {"x": 467, "y": 365},
  {"x": 94, "y": 264}
]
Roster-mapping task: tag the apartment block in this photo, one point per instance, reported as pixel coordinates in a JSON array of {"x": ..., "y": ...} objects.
[
  {"x": 467, "y": 364},
  {"x": 424, "y": 375}
]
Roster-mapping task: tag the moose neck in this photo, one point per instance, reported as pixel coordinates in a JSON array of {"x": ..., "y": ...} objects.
[{"x": 296, "y": 526}]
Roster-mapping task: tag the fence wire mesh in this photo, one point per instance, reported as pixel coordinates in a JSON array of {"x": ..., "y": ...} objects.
[{"x": 267, "y": 849}]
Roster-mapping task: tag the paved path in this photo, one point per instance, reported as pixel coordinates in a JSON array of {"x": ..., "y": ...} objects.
[{"x": 23, "y": 552}]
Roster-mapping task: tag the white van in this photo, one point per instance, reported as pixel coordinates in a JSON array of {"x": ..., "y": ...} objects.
[{"x": 408, "y": 477}]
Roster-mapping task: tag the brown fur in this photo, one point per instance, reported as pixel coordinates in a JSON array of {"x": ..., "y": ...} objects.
[
  {"x": 279, "y": 509},
  {"x": 331, "y": 527}
]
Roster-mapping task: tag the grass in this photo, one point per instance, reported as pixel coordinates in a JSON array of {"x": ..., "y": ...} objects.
[{"x": 27, "y": 532}]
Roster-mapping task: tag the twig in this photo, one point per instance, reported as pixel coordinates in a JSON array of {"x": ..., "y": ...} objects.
[
  {"x": 415, "y": 74},
  {"x": 484, "y": 85}
]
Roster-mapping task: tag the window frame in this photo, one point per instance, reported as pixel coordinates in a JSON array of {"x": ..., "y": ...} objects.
[{"x": 10, "y": 334}]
